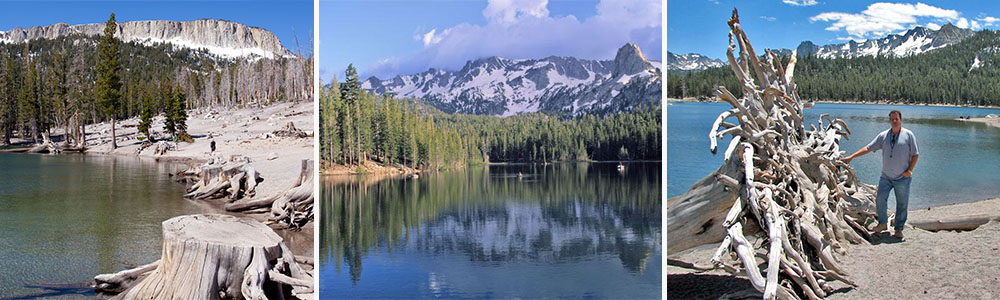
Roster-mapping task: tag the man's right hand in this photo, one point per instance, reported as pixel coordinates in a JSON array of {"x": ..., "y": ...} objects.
[{"x": 847, "y": 160}]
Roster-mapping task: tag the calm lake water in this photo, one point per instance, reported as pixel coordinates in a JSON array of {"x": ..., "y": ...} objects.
[
  {"x": 959, "y": 161},
  {"x": 563, "y": 231},
  {"x": 65, "y": 219}
]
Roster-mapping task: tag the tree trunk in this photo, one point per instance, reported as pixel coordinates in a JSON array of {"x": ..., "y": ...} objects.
[
  {"x": 955, "y": 223},
  {"x": 114, "y": 141},
  {"x": 216, "y": 256}
]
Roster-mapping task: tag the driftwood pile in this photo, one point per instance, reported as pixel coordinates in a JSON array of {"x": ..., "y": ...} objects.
[
  {"x": 214, "y": 256},
  {"x": 232, "y": 180},
  {"x": 782, "y": 182},
  {"x": 235, "y": 181},
  {"x": 290, "y": 131},
  {"x": 292, "y": 208}
]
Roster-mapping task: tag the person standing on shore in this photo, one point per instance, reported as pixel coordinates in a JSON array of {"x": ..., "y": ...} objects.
[{"x": 899, "y": 157}]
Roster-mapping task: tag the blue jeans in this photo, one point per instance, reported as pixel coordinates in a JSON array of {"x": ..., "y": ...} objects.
[{"x": 902, "y": 187}]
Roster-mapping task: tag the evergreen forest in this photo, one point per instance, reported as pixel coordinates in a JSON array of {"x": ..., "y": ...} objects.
[
  {"x": 56, "y": 83},
  {"x": 964, "y": 73},
  {"x": 358, "y": 126}
]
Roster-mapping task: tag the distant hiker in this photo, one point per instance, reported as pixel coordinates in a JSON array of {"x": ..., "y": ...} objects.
[
  {"x": 899, "y": 157},
  {"x": 212, "y": 143}
]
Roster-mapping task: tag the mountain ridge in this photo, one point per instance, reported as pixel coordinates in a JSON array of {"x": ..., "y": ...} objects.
[
  {"x": 220, "y": 37},
  {"x": 914, "y": 41},
  {"x": 564, "y": 85}
]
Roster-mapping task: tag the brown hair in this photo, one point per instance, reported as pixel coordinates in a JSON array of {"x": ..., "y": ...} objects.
[{"x": 897, "y": 113}]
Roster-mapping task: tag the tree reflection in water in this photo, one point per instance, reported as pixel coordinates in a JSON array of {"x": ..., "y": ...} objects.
[{"x": 556, "y": 214}]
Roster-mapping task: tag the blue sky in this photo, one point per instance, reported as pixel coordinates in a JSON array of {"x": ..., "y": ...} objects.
[
  {"x": 279, "y": 17},
  {"x": 699, "y": 26},
  {"x": 385, "y": 38}
]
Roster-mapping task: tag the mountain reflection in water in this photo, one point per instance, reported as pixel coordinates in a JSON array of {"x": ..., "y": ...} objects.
[{"x": 557, "y": 216}]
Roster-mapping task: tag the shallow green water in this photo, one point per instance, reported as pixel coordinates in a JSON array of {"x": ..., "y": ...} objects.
[
  {"x": 64, "y": 219},
  {"x": 562, "y": 231}
]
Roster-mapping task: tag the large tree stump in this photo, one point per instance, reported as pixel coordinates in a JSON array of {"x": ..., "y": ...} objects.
[{"x": 216, "y": 256}]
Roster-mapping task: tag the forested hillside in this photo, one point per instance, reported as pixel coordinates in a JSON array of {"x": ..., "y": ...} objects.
[
  {"x": 357, "y": 126},
  {"x": 963, "y": 73},
  {"x": 47, "y": 83}
]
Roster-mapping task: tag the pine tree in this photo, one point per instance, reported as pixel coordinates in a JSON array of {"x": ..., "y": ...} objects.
[
  {"x": 180, "y": 112},
  {"x": 333, "y": 128},
  {"x": 28, "y": 102},
  {"x": 7, "y": 107},
  {"x": 352, "y": 98},
  {"x": 57, "y": 90},
  {"x": 146, "y": 121},
  {"x": 167, "y": 94},
  {"x": 109, "y": 84}
]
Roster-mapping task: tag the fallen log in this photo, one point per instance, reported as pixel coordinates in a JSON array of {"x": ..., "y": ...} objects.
[
  {"x": 955, "y": 223},
  {"x": 215, "y": 256}
]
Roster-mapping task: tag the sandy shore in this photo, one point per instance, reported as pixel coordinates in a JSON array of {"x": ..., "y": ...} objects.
[
  {"x": 243, "y": 132},
  {"x": 995, "y": 122},
  {"x": 926, "y": 265}
]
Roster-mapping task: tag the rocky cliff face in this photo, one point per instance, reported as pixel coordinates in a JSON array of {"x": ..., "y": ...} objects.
[
  {"x": 502, "y": 86},
  {"x": 219, "y": 37}
]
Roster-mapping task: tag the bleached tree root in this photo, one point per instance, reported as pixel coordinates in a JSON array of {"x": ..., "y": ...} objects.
[
  {"x": 291, "y": 208},
  {"x": 215, "y": 256},
  {"x": 118, "y": 282},
  {"x": 779, "y": 179}
]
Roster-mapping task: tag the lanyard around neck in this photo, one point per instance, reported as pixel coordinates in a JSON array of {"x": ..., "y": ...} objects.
[{"x": 892, "y": 140}]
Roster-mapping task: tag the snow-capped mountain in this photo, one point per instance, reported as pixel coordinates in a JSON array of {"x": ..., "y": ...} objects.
[
  {"x": 219, "y": 37},
  {"x": 691, "y": 62},
  {"x": 502, "y": 86},
  {"x": 914, "y": 41}
]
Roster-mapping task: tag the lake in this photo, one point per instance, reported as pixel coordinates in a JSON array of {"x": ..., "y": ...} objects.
[
  {"x": 67, "y": 218},
  {"x": 959, "y": 161},
  {"x": 573, "y": 230}
]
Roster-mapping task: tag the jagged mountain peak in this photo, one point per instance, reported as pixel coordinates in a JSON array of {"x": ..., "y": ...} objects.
[
  {"x": 911, "y": 42},
  {"x": 691, "y": 62},
  {"x": 629, "y": 60},
  {"x": 503, "y": 86},
  {"x": 219, "y": 37}
]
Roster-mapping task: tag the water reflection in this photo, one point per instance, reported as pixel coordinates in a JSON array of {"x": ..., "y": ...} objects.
[{"x": 555, "y": 216}]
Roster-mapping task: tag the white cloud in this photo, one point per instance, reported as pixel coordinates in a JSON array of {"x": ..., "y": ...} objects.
[
  {"x": 800, "y": 2},
  {"x": 524, "y": 29},
  {"x": 510, "y": 11},
  {"x": 883, "y": 18},
  {"x": 988, "y": 21},
  {"x": 933, "y": 26},
  {"x": 714, "y": 1},
  {"x": 771, "y": 19},
  {"x": 431, "y": 38}
]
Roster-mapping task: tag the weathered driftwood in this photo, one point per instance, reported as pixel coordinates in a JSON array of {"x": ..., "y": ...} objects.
[
  {"x": 290, "y": 131},
  {"x": 956, "y": 223},
  {"x": 219, "y": 180},
  {"x": 214, "y": 257},
  {"x": 779, "y": 179},
  {"x": 294, "y": 207},
  {"x": 291, "y": 208}
]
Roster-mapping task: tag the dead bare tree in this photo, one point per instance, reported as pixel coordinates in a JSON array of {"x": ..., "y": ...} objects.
[{"x": 781, "y": 182}]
